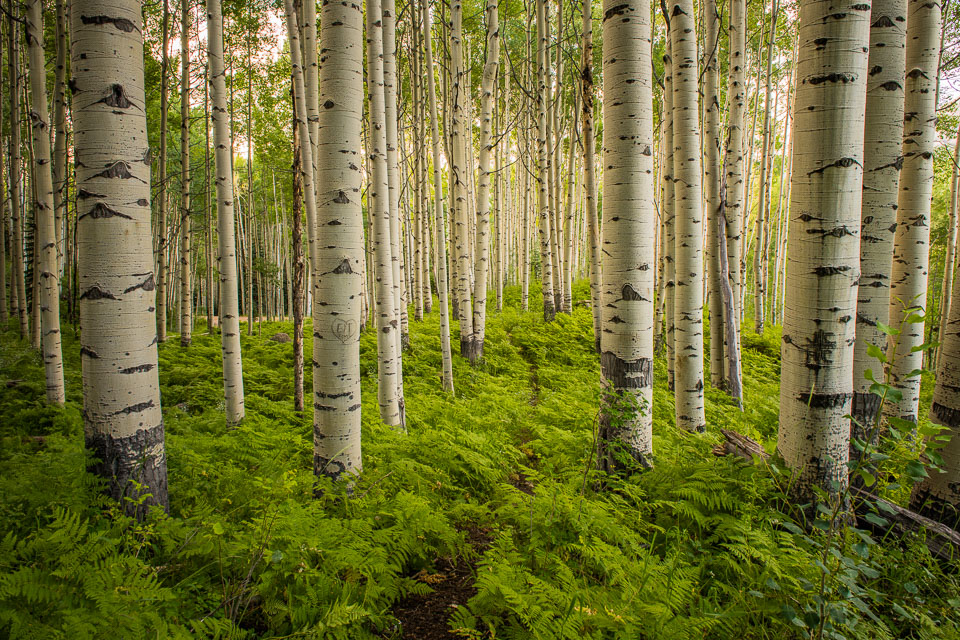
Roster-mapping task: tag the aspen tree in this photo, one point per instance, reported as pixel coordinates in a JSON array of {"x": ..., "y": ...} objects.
[
  {"x": 338, "y": 272},
  {"x": 667, "y": 202},
  {"x": 733, "y": 152},
  {"x": 162, "y": 231},
  {"x": 629, "y": 222},
  {"x": 823, "y": 244},
  {"x": 589, "y": 168},
  {"x": 186, "y": 274},
  {"x": 688, "y": 302},
  {"x": 45, "y": 245},
  {"x": 123, "y": 424},
  {"x": 16, "y": 217},
  {"x": 711, "y": 191},
  {"x": 544, "y": 164},
  {"x": 388, "y": 329},
  {"x": 483, "y": 196},
  {"x": 949, "y": 268},
  {"x": 882, "y": 149},
  {"x": 59, "y": 161},
  {"x": 759, "y": 251},
  {"x": 4, "y": 302},
  {"x": 208, "y": 218},
  {"x": 911, "y": 246},
  {"x": 298, "y": 275},
  {"x": 227, "y": 259}
]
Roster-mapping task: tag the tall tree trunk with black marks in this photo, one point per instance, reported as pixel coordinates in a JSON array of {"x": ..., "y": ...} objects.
[
  {"x": 759, "y": 250},
  {"x": 247, "y": 210},
  {"x": 589, "y": 170},
  {"x": 297, "y": 275},
  {"x": 336, "y": 312},
  {"x": 711, "y": 191},
  {"x": 667, "y": 205},
  {"x": 733, "y": 164},
  {"x": 16, "y": 217},
  {"x": 46, "y": 243},
  {"x": 688, "y": 303},
  {"x": 388, "y": 329},
  {"x": 207, "y": 217},
  {"x": 950, "y": 263},
  {"x": 123, "y": 425},
  {"x": 162, "y": 230},
  {"x": 229, "y": 289},
  {"x": 186, "y": 268},
  {"x": 882, "y": 149},
  {"x": 544, "y": 165},
  {"x": 823, "y": 244},
  {"x": 439, "y": 211},
  {"x": 629, "y": 229},
  {"x": 911, "y": 245},
  {"x": 483, "y": 196},
  {"x": 60, "y": 135}
]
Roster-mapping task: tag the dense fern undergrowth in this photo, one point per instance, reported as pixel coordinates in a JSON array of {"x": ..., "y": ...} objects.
[{"x": 500, "y": 477}]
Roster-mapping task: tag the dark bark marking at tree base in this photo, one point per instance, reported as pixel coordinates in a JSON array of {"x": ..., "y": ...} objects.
[{"x": 121, "y": 461}]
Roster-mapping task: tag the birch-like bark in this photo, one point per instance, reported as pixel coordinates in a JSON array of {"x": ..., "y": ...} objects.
[
  {"x": 882, "y": 149},
  {"x": 911, "y": 245},
  {"x": 207, "y": 217},
  {"x": 475, "y": 351},
  {"x": 823, "y": 244},
  {"x": 688, "y": 303},
  {"x": 298, "y": 272},
  {"x": 45, "y": 245},
  {"x": 336, "y": 310},
  {"x": 950, "y": 263},
  {"x": 388, "y": 329},
  {"x": 186, "y": 268},
  {"x": 733, "y": 166},
  {"x": 227, "y": 260},
  {"x": 59, "y": 160},
  {"x": 759, "y": 250},
  {"x": 544, "y": 165},
  {"x": 123, "y": 424},
  {"x": 711, "y": 191},
  {"x": 162, "y": 231},
  {"x": 629, "y": 229},
  {"x": 590, "y": 170}
]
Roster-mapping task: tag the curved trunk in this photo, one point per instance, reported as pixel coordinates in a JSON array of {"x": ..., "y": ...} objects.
[
  {"x": 227, "y": 260},
  {"x": 186, "y": 269},
  {"x": 882, "y": 148},
  {"x": 46, "y": 242},
  {"x": 688, "y": 309},
  {"x": 123, "y": 424},
  {"x": 388, "y": 329},
  {"x": 911, "y": 245},
  {"x": 823, "y": 245},
  {"x": 483, "y": 191},
  {"x": 626, "y": 344}
]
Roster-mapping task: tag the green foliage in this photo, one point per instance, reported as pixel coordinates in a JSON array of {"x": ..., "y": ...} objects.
[{"x": 500, "y": 477}]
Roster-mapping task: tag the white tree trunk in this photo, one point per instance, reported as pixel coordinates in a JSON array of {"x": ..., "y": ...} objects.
[
  {"x": 45, "y": 244},
  {"x": 629, "y": 229},
  {"x": 882, "y": 148},
  {"x": 483, "y": 195},
  {"x": 733, "y": 153},
  {"x": 123, "y": 424},
  {"x": 823, "y": 244},
  {"x": 543, "y": 155},
  {"x": 388, "y": 329},
  {"x": 186, "y": 272},
  {"x": 590, "y": 169},
  {"x": 688, "y": 309},
  {"x": 227, "y": 260},
  {"x": 911, "y": 245}
]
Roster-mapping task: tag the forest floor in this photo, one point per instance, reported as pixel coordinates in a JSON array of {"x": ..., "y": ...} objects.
[{"x": 484, "y": 520}]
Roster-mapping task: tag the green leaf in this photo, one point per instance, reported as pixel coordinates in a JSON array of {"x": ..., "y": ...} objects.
[
  {"x": 867, "y": 477},
  {"x": 911, "y": 588},
  {"x": 875, "y": 352},
  {"x": 916, "y": 470},
  {"x": 218, "y": 529},
  {"x": 887, "y": 329},
  {"x": 873, "y": 518},
  {"x": 900, "y": 611}
]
